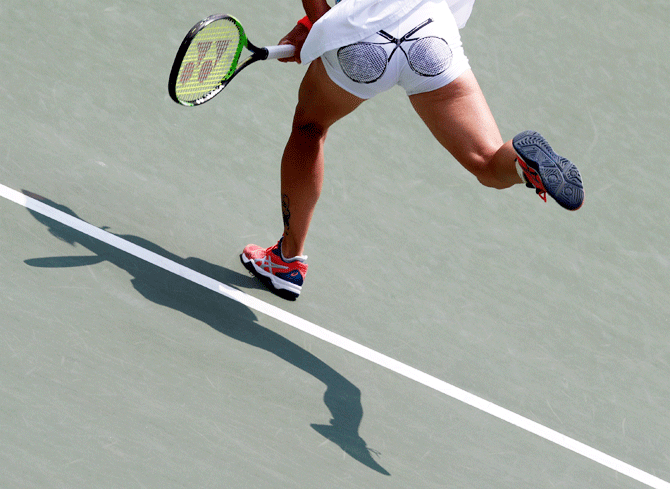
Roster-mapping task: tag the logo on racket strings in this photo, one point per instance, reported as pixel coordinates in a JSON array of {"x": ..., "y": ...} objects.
[{"x": 203, "y": 67}]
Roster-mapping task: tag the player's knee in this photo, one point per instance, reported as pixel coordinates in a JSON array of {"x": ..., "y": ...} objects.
[{"x": 309, "y": 130}]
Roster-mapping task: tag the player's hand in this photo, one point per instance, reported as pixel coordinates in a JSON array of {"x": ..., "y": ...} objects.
[{"x": 297, "y": 38}]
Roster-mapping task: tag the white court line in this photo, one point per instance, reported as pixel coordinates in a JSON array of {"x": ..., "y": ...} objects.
[{"x": 337, "y": 340}]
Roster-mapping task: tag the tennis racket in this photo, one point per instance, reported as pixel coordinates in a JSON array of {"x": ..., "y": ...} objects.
[{"x": 209, "y": 58}]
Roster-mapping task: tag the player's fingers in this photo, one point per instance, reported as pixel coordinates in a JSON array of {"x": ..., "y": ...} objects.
[{"x": 296, "y": 38}]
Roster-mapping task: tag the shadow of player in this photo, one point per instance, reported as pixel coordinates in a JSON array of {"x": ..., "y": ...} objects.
[{"x": 229, "y": 317}]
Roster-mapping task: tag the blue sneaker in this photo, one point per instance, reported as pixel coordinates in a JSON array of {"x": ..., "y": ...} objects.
[{"x": 548, "y": 172}]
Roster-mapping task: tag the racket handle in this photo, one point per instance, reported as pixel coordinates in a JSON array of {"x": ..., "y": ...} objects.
[{"x": 278, "y": 52}]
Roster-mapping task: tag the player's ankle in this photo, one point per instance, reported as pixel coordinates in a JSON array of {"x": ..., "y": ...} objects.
[{"x": 289, "y": 249}]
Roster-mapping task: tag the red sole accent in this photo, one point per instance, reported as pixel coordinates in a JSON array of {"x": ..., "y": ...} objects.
[{"x": 533, "y": 178}]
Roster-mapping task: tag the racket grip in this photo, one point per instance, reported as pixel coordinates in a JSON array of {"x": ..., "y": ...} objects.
[{"x": 278, "y": 52}]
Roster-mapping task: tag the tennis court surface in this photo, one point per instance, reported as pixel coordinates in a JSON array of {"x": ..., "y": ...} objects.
[{"x": 448, "y": 335}]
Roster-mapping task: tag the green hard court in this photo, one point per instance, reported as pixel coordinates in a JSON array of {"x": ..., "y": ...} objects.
[{"x": 117, "y": 373}]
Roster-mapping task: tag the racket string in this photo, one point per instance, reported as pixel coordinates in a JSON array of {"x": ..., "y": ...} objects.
[
  {"x": 430, "y": 56},
  {"x": 363, "y": 62},
  {"x": 209, "y": 60}
]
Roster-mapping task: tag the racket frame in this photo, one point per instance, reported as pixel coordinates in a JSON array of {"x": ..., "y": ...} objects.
[{"x": 257, "y": 54}]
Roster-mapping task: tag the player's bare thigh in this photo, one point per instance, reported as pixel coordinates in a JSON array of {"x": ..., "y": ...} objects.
[
  {"x": 321, "y": 102},
  {"x": 460, "y": 119}
]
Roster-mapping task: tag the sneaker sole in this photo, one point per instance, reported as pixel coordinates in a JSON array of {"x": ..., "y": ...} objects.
[
  {"x": 274, "y": 284},
  {"x": 560, "y": 176}
]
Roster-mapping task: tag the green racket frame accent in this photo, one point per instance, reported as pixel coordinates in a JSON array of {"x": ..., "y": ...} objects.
[{"x": 232, "y": 71}]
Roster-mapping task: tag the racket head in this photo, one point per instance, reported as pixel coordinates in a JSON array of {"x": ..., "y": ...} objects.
[
  {"x": 363, "y": 62},
  {"x": 206, "y": 60}
]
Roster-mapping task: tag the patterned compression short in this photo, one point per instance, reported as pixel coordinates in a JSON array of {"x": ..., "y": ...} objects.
[{"x": 421, "y": 52}]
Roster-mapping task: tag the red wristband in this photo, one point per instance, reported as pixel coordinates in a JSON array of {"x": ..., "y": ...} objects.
[{"x": 306, "y": 22}]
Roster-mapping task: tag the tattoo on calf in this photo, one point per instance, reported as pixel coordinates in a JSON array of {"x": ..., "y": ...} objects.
[{"x": 286, "y": 213}]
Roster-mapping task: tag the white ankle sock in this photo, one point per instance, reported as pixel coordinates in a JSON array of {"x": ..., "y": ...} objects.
[{"x": 519, "y": 170}]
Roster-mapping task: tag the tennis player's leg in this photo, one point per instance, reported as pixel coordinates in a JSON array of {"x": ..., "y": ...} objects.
[
  {"x": 320, "y": 104},
  {"x": 460, "y": 119}
]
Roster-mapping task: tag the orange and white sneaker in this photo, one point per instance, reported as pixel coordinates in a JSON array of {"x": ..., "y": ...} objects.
[
  {"x": 548, "y": 172},
  {"x": 284, "y": 277}
]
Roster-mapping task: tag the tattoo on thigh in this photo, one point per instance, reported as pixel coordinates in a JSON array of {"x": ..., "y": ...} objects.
[{"x": 286, "y": 213}]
